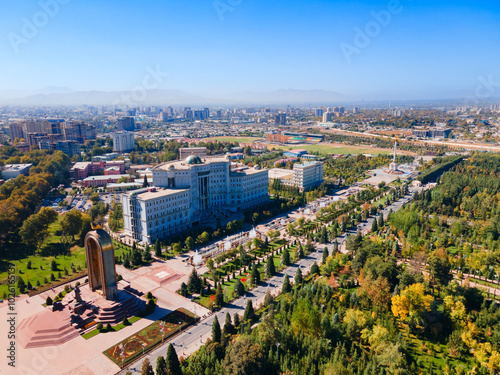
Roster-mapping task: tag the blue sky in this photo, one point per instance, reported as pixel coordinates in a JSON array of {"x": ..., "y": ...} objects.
[{"x": 427, "y": 50}]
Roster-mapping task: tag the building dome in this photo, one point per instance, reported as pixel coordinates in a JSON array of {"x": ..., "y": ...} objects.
[{"x": 193, "y": 159}]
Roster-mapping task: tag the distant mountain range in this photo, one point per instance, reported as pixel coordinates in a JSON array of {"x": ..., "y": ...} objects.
[{"x": 54, "y": 96}]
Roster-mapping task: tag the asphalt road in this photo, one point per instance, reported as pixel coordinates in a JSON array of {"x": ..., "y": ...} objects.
[{"x": 192, "y": 338}]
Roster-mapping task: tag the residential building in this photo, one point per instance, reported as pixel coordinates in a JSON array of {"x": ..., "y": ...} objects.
[
  {"x": 308, "y": 175},
  {"x": 125, "y": 123},
  {"x": 16, "y": 131},
  {"x": 123, "y": 141},
  {"x": 79, "y": 131}
]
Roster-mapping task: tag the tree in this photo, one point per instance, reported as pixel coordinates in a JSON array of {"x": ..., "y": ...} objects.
[
  {"x": 33, "y": 232},
  {"x": 194, "y": 283},
  {"x": 228, "y": 326},
  {"x": 300, "y": 251},
  {"x": 411, "y": 302},
  {"x": 53, "y": 265},
  {"x": 71, "y": 223},
  {"x": 381, "y": 220},
  {"x": 147, "y": 369},
  {"x": 286, "y": 285},
  {"x": 239, "y": 288},
  {"x": 173, "y": 365},
  {"x": 270, "y": 268},
  {"x": 440, "y": 270},
  {"x": 157, "y": 249},
  {"x": 298, "y": 277},
  {"x": 315, "y": 269},
  {"x": 255, "y": 275},
  {"x": 374, "y": 225},
  {"x": 249, "y": 313},
  {"x": 184, "y": 290},
  {"x": 335, "y": 247},
  {"x": 49, "y": 301},
  {"x": 219, "y": 296},
  {"x": 145, "y": 182},
  {"x": 325, "y": 255},
  {"x": 286, "y": 258},
  {"x": 216, "y": 331},
  {"x": 136, "y": 256},
  {"x": 244, "y": 358},
  {"x": 161, "y": 366},
  {"x": 190, "y": 243},
  {"x": 21, "y": 285},
  {"x": 203, "y": 238},
  {"x": 146, "y": 256},
  {"x": 323, "y": 235}
]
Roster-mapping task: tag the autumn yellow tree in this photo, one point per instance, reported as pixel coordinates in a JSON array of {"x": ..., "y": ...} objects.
[{"x": 411, "y": 302}]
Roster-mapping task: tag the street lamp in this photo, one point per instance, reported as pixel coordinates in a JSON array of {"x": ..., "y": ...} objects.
[{"x": 278, "y": 348}]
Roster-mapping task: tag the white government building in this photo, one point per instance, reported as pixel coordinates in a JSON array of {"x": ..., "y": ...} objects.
[{"x": 190, "y": 192}]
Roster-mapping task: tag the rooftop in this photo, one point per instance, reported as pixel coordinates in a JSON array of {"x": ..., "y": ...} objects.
[
  {"x": 15, "y": 167},
  {"x": 158, "y": 193}
]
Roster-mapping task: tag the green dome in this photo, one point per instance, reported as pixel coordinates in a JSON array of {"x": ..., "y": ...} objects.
[{"x": 193, "y": 159}]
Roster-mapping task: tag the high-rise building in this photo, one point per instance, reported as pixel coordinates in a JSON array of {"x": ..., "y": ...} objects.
[
  {"x": 308, "y": 175},
  {"x": 125, "y": 124},
  {"x": 327, "y": 117},
  {"x": 70, "y": 148},
  {"x": 319, "y": 112},
  {"x": 123, "y": 141},
  {"x": 79, "y": 131},
  {"x": 16, "y": 131},
  {"x": 281, "y": 119}
]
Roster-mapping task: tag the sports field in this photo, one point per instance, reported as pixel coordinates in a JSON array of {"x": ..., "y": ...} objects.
[
  {"x": 234, "y": 139},
  {"x": 335, "y": 149}
]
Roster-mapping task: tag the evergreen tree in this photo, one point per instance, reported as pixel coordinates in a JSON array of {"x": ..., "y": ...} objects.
[
  {"x": 323, "y": 236},
  {"x": 219, "y": 296},
  {"x": 146, "y": 256},
  {"x": 286, "y": 258},
  {"x": 216, "y": 332},
  {"x": 374, "y": 225},
  {"x": 381, "y": 220},
  {"x": 145, "y": 182},
  {"x": 298, "y": 277},
  {"x": 184, "y": 290},
  {"x": 249, "y": 313},
  {"x": 255, "y": 274},
  {"x": 314, "y": 269},
  {"x": 335, "y": 247},
  {"x": 228, "y": 326},
  {"x": 194, "y": 283},
  {"x": 173, "y": 365},
  {"x": 236, "y": 320},
  {"x": 21, "y": 285},
  {"x": 157, "y": 249},
  {"x": 300, "y": 251},
  {"x": 161, "y": 366},
  {"x": 270, "y": 268},
  {"x": 286, "y": 285},
  {"x": 325, "y": 255},
  {"x": 239, "y": 288}
]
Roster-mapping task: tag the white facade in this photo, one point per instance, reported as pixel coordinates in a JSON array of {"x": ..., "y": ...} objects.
[
  {"x": 123, "y": 141},
  {"x": 149, "y": 214},
  {"x": 308, "y": 175},
  {"x": 200, "y": 186}
]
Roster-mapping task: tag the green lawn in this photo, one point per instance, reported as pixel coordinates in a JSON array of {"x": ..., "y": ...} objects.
[
  {"x": 116, "y": 328},
  {"x": 41, "y": 265},
  {"x": 326, "y": 149}
]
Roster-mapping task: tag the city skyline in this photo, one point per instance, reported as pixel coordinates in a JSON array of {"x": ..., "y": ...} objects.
[{"x": 370, "y": 50}]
